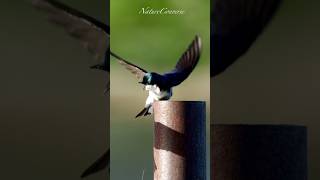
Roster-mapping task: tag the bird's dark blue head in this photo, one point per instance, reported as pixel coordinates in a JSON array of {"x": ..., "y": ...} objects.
[{"x": 148, "y": 79}]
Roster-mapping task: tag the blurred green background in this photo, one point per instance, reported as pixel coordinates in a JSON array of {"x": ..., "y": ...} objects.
[{"x": 154, "y": 42}]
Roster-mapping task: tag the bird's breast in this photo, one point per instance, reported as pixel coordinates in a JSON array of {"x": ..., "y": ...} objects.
[{"x": 158, "y": 94}]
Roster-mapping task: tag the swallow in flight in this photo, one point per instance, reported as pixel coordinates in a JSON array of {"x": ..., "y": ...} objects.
[
  {"x": 94, "y": 35},
  {"x": 160, "y": 85}
]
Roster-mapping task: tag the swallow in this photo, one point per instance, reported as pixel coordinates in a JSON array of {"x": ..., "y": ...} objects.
[
  {"x": 235, "y": 25},
  {"x": 160, "y": 85},
  {"x": 94, "y": 35}
]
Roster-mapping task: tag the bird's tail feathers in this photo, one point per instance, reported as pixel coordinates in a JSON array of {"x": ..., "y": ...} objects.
[{"x": 144, "y": 112}]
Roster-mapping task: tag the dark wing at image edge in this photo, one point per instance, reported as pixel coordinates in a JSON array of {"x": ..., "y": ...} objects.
[
  {"x": 93, "y": 34},
  {"x": 235, "y": 25}
]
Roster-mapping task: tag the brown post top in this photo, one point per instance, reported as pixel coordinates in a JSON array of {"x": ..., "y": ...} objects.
[{"x": 179, "y": 140}]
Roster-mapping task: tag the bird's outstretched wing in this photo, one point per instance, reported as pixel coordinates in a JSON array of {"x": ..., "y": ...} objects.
[
  {"x": 93, "y": 34},
  {"x": 134, "y": 69},
  {"x": 98, "y": 165},
  {"x": 235, "y": 25},
  {"x": 186, "y": 64}
]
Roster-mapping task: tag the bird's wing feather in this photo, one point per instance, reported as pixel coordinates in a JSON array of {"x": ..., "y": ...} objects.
[
  {"x": 98, "y": 165},
  {"x": 93, "y": 34},
  {"x": 235, "y": 27},
  {"x": 186, "y": 63},
  {"x": 134, "y": 69}
]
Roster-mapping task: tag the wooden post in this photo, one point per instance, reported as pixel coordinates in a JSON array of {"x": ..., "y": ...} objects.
[
  {"x": 179, "y": 140},
  {"x": 258, "y": 152}
]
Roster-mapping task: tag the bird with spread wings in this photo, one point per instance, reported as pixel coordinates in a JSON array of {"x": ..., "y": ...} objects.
[
  {"x": 235, "y": 25},
  {"x": 160, "y": 85}
]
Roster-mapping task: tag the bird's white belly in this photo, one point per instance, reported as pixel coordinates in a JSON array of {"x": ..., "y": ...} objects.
[{"x": 155, "y": 94}]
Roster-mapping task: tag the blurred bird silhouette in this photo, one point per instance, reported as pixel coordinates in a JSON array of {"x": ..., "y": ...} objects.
[
  {"x": 94, "y": 35},
  {"x": 235, "y": 25}
]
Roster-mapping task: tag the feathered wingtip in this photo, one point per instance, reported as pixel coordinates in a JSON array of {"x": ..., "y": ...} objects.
[
  {"x": 199, "y": 42},
  {"x": 93, "y": 34},
  {"x": 98, "y": 165}
]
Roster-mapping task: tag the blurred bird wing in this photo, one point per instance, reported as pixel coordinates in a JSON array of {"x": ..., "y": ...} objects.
[
  {"x": 93, "y": 34},
  {"x": 235, "y": 26},
  {"x": 186, "y": 63},
  {"x": 134, "y": 69},
  {"x": 98, "y": 165}
]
